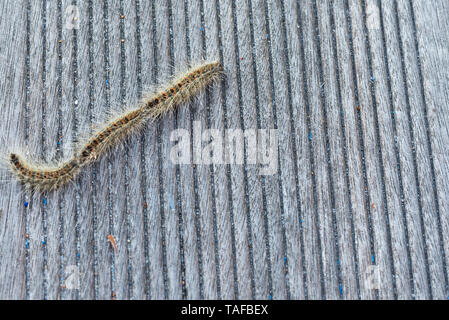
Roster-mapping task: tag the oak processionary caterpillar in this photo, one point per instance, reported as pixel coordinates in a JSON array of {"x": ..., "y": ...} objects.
[{"x": 178, "y": 91}]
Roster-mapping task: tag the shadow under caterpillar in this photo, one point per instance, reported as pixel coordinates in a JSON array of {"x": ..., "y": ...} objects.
[{"x": 179, "y": 90}]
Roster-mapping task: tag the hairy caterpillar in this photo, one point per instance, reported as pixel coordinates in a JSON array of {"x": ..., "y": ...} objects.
[{"x": 178, "y": 91}]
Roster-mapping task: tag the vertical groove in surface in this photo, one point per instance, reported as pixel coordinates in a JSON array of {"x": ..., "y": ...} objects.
[
  {"x": 382, "y": 168},
  {"x": 361, "y": 139},
  {"x": 224, "y": 238},
  {"x": 43, "y": 149},
  {"x": 327, "y": 147},
  {"x": 74, "y": 140},
  {"x": 245, "y": 174},
  {"x": 393, "y": 121},
  {"x": 59, "y": 153},
  {"x": 177, "y": 169},
  {"x": 123, "y": 90},
  {"x": 311, "y": 149},
  {"x": 430, "y": 150},
  {"x": 396, "y": 150},
  {"x": 345, "y": 147},
  {"x": 26, "y": 196},
  {"x": 263, "y": 182},
  {"x": 413, "y": 148},
  {"x": 85, "y": 280},
  {"x": 93, "y": 175},
  {"x": 275, "y": 124},
  {"x": 228, "y": 167},
  {"x": 194, "y": 166},
  {"x": 159, "y": 157},
  {"x": 211, "y": 166},
  {"x": 279, "y": 173},
  {"x": 109, "y": 162},
  {"x": 280, "y": 182},
  {"x": 143, "y": 174}
]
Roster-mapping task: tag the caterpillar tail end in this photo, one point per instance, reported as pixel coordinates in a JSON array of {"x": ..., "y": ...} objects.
[{"x": 36, "y": 178}]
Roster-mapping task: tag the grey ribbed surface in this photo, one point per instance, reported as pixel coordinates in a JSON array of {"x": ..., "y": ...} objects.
[{"x": 358, "y": 91}]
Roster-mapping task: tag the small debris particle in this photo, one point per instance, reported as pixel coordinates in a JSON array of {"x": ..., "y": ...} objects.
[{"x": 111, "y": 239}]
